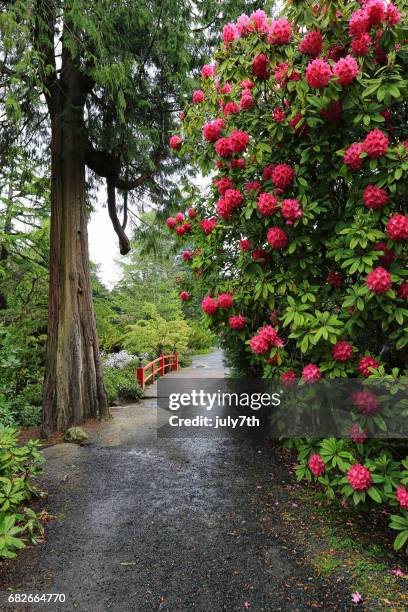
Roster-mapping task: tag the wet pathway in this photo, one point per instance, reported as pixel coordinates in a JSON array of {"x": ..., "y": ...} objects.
[{"x": 148, "y": 524}]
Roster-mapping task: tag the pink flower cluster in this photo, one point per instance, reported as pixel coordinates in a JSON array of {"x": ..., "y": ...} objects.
[
  {"x": 232, "y": 199},
  {"x": 372, "y": 14},
  {"x": 266, "y": 338},
  {"x": 236, "y": 142},
  {"x": 366, "y": 401},
  {"x": 213, "y": 129},
  {"x": 401, "y": 495},
  {"x": 175, "y": 142},
  {"x": 291, "y": 210},
  {"x": 342, "y": 351},
  {"x": 179, "y": 224},
  {"x": 277, "y": 239},
  {"x": 311, "y": 44},
  {"x": 311, "y": 373},
  {"x": 397, "y": 227},
  {"x": 267, "y": 204},
  {"x": 359, "y": 477},
  {"x": 365, "y": 363},
  {"x": 379, "y": 280},
  {"x": 375, "y": 197},
  {"x": 375, "y": 145},
  {"x": 316, "y": 465},
  {"x": 277, "y": 31},
  {"x": 237, "y": 322}
]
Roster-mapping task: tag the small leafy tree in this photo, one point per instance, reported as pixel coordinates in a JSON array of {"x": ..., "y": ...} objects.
[{"x": 300, "y": 246}]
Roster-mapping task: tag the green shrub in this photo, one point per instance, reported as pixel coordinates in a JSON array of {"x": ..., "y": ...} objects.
[
  {"x": 18, "y": 467},
  {"x": 200, "y": 340},
  {"x": 120, "y": 384}
]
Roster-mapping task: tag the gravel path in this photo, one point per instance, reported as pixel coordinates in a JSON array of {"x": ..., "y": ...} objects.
[{"x": 171, "y": 525}]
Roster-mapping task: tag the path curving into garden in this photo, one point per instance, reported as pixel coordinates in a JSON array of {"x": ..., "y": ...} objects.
[{"x": 170, "y": 524}]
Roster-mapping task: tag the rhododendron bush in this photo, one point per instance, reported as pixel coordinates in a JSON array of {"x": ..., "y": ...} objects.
[{"x": 299, "y": 250}]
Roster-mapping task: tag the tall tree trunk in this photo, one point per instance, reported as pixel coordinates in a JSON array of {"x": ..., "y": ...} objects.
[
  {"x": 3, "y": 249},
  {"x": 74, "y": 388}
]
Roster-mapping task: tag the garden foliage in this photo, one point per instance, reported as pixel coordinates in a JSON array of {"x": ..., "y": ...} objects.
[
  {"x": 300, "y": 248},
  {"x": 19, "y": 464}
]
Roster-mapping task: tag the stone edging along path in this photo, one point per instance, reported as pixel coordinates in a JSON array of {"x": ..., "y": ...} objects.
[{"x": 144, "y": 524}]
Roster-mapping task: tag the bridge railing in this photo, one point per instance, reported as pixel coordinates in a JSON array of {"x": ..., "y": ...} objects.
[{"x": 158, "y": 367}]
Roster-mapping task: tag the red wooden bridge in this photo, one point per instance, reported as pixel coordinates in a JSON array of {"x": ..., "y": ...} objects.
[{"x": 159, "y": 367}]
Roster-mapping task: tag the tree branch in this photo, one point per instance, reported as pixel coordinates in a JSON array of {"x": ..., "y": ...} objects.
[{"x": 124, "y": 243}]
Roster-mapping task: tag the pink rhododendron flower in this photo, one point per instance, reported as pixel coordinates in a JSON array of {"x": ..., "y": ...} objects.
[
  {"x": 316, "y": 465},
  {"x": 244, "y": 25},
  {"x": 244, "y": 244},
  {"x": 233, "y": 197},
  {"x": 229, "y": 33},
  {"x": 223, "y": 184},
  {"x": 268, "y": 171},
  {"x": 259, "y": 345},
  {"x": 365, "y": 363},
  {"x": 288, "y": 378},
  {"x": 198, "y": 96},
  {"x": 184, "y": 296},
  {"x": 311, "y": 373},
  {"x": 280, "y": 32},
  {"x": 359, "y": 477},
  {"x": 342, "y": 351},
  {"x": 379, "y": 280},
  {"x": 277, "y": 238},
  {"x": 366, "y": 401},
  {"x": 213, "y": 129},
  {"x": 223, "y": 147},
  {"x": 175, "y": 142},
  {"x": 260, "y": 66},
  {"x": 361, "y": 45},
  {"x": 271, "y": 336},
  {"x": 186, "y": 255},
  {"x": 179, "y": 217},
  {"x": 402, "y": 291},
  {"x": 397, "y": 227},
  {"x": 375, "y": 197},
  {"x": 252, "y": 186},
  {"x": 375, "y": 144},
  {"x": 352, "y": 157},
  {"x": 207, "y": 71},
  {"x": 282, "y": 176},
  {"x": 180, "y": 230},
  {"x": 358, "y": 23},
  {"x": 357, "y": 435},
  {"x": 311, "y": 44},
  {"x": 291, "y": 210},
  {"x": 209, "y": 305},
  {"x": 318, "y": 73},
  {"x": 247, "y": 100},
  {"x": 237, "y": 322},
  {"x": 231, "y": 108},
  {"x": 393, "y": 16},
  {"x": 267, "y": 204},
  {"x": 402, "y": 497},
  {"x": 238, "y": 140},
  {"x": 225, "y": 300},
  {"x": 278, "y": 114},
  {"x": 375, "y": 11},
  {"x": 171, "y": 222},
  {"x": 208, "y": 225},
  {"x": 192, "y": 213},
  {"x": 260, "y": 20},
  {"x": 346, "y": 70}
]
